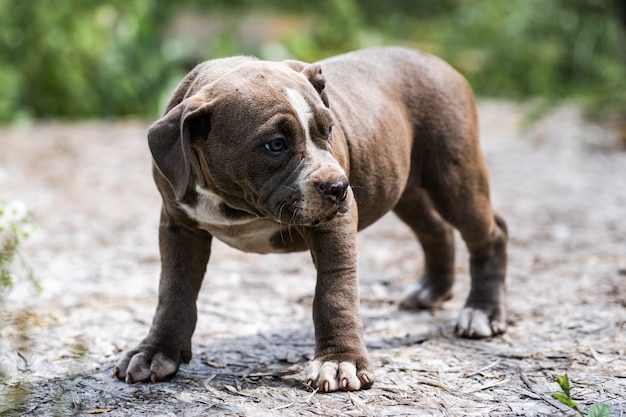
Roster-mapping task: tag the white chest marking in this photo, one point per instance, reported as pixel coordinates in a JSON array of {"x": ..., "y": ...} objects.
[
  {"x": 208, "y": 210},
  {"x": 249, "y": 234}
]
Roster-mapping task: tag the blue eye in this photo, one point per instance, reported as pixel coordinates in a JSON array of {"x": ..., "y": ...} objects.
[{"x": 276, "y": 145}]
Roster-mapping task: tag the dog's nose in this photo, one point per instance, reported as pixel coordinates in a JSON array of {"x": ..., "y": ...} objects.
[{"x": 335, "y": 190}]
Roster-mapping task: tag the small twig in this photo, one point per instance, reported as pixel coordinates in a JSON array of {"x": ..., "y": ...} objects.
[
  {"x": 507, "y": 339},
  {"x": 360, "y": 405},
  {"x": 281, "y": 407},
  {"x": 496, "y": 363},
  {"x": 308, "y": 400},
  {"x": 436, "y": 384},
  {"x": 487, "y": 386},
  {"x": 446, "y": 388},
  {"x": 235, "y": 391},
  {"x": 595, "y": 355},
  {"x": 272, "y": 374}
]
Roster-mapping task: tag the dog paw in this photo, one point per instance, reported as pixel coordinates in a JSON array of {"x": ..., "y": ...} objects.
[
  {"x": 476, "y": 323},
  {"x": 425, "y": 295},
  {"x": 143, "y": 365},
  {"x": 338, "y": 374}
]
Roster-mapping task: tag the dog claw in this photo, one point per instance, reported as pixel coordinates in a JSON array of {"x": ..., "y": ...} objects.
[
  {"x": 474, "y": 323},
  {"x": 339, "y": 375}
]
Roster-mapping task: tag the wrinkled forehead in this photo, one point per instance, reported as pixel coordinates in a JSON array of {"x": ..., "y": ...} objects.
[
  {"x": 265, "y": 78},
  {"x": 262, "y": 88}
]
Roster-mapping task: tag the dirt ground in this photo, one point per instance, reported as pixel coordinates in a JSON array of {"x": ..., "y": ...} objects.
[{"x": 560, "y": 184}]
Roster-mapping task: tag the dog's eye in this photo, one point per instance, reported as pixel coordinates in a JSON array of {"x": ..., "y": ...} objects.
[
  {"x": 330, "y": 133},
  {"x": 276, "y": 145}
]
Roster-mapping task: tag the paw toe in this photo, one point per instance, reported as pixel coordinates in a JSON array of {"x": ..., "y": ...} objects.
[
  {"x": 162, "y": 367},
  {"x": 331, "y": 375},
  {"x": 424, "y": 296},
  {"x": 327, "y": 380},
  {"x": 475, "y": 323},
  {"x": 140, "y": 366},
  {"x": 349, "y": 380}
]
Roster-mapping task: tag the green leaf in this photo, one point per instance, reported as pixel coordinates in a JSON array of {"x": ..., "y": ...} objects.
[
  {"x": 599, "y": 410},
  {"x": 563, "y": 382},
  {"x": 565, "y": 400}
]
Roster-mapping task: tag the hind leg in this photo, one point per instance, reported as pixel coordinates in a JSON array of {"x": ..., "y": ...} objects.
[
  {"x": 446, "y": 162},
  {"x": 484, "y": 313},
  {"x": 437, "y": 241},
  {"x": 465, "y": 204}
]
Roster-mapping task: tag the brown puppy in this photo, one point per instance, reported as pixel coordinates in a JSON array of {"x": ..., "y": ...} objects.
[{"x": 262, "y": 155}]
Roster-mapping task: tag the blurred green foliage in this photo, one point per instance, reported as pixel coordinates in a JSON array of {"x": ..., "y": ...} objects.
[
  {"x": 93, "y": 58},
  {"x": 79, "y": 58}
]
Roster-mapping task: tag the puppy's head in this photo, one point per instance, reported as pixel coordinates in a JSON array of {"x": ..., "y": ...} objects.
[{"x": 256, "y": 137}]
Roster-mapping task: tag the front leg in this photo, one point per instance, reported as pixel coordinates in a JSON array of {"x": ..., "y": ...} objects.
[
  {"x": 184, "y": 256},
  {"x": 341, "y": 359}
]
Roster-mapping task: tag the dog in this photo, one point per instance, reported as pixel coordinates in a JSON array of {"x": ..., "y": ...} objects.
[{"x": 289, "y": 156}]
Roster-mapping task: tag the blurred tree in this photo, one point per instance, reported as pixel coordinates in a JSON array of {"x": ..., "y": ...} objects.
[
  {"x": 79, "y": 58},
  {"x": 99, "y": 58}
]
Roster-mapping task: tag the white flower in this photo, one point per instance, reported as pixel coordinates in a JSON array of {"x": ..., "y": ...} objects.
[
  {"x": 7, "y": 233},
  {"x": 15, "y": 218},
  {"x": 27, "y": 230},
  {"x": 14, "y": 212},
  {"x": 15, "y": 225}
]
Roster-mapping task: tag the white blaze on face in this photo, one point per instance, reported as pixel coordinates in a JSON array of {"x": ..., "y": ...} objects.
[
  {"x": 319, "y": 164},
  {"x": 303, "y": 110},
  {"x": 305, "y": 114}
]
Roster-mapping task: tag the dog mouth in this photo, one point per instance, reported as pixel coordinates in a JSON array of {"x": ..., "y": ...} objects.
[
  {"x": 311, "y": 204},
  {"x": 297, "y": 214},
  {"x": 297, "y": 220},
  {"x": 323, "y": 220}
]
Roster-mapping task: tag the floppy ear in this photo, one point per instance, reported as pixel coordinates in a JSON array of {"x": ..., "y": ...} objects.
[
  {"x": 169, "y": 139},
  {"x": 295, "y": 65},
  {"x": 314, "y": 74}
]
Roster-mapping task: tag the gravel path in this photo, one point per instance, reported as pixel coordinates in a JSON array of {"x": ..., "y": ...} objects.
[{"x": 560, "y": 184}]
